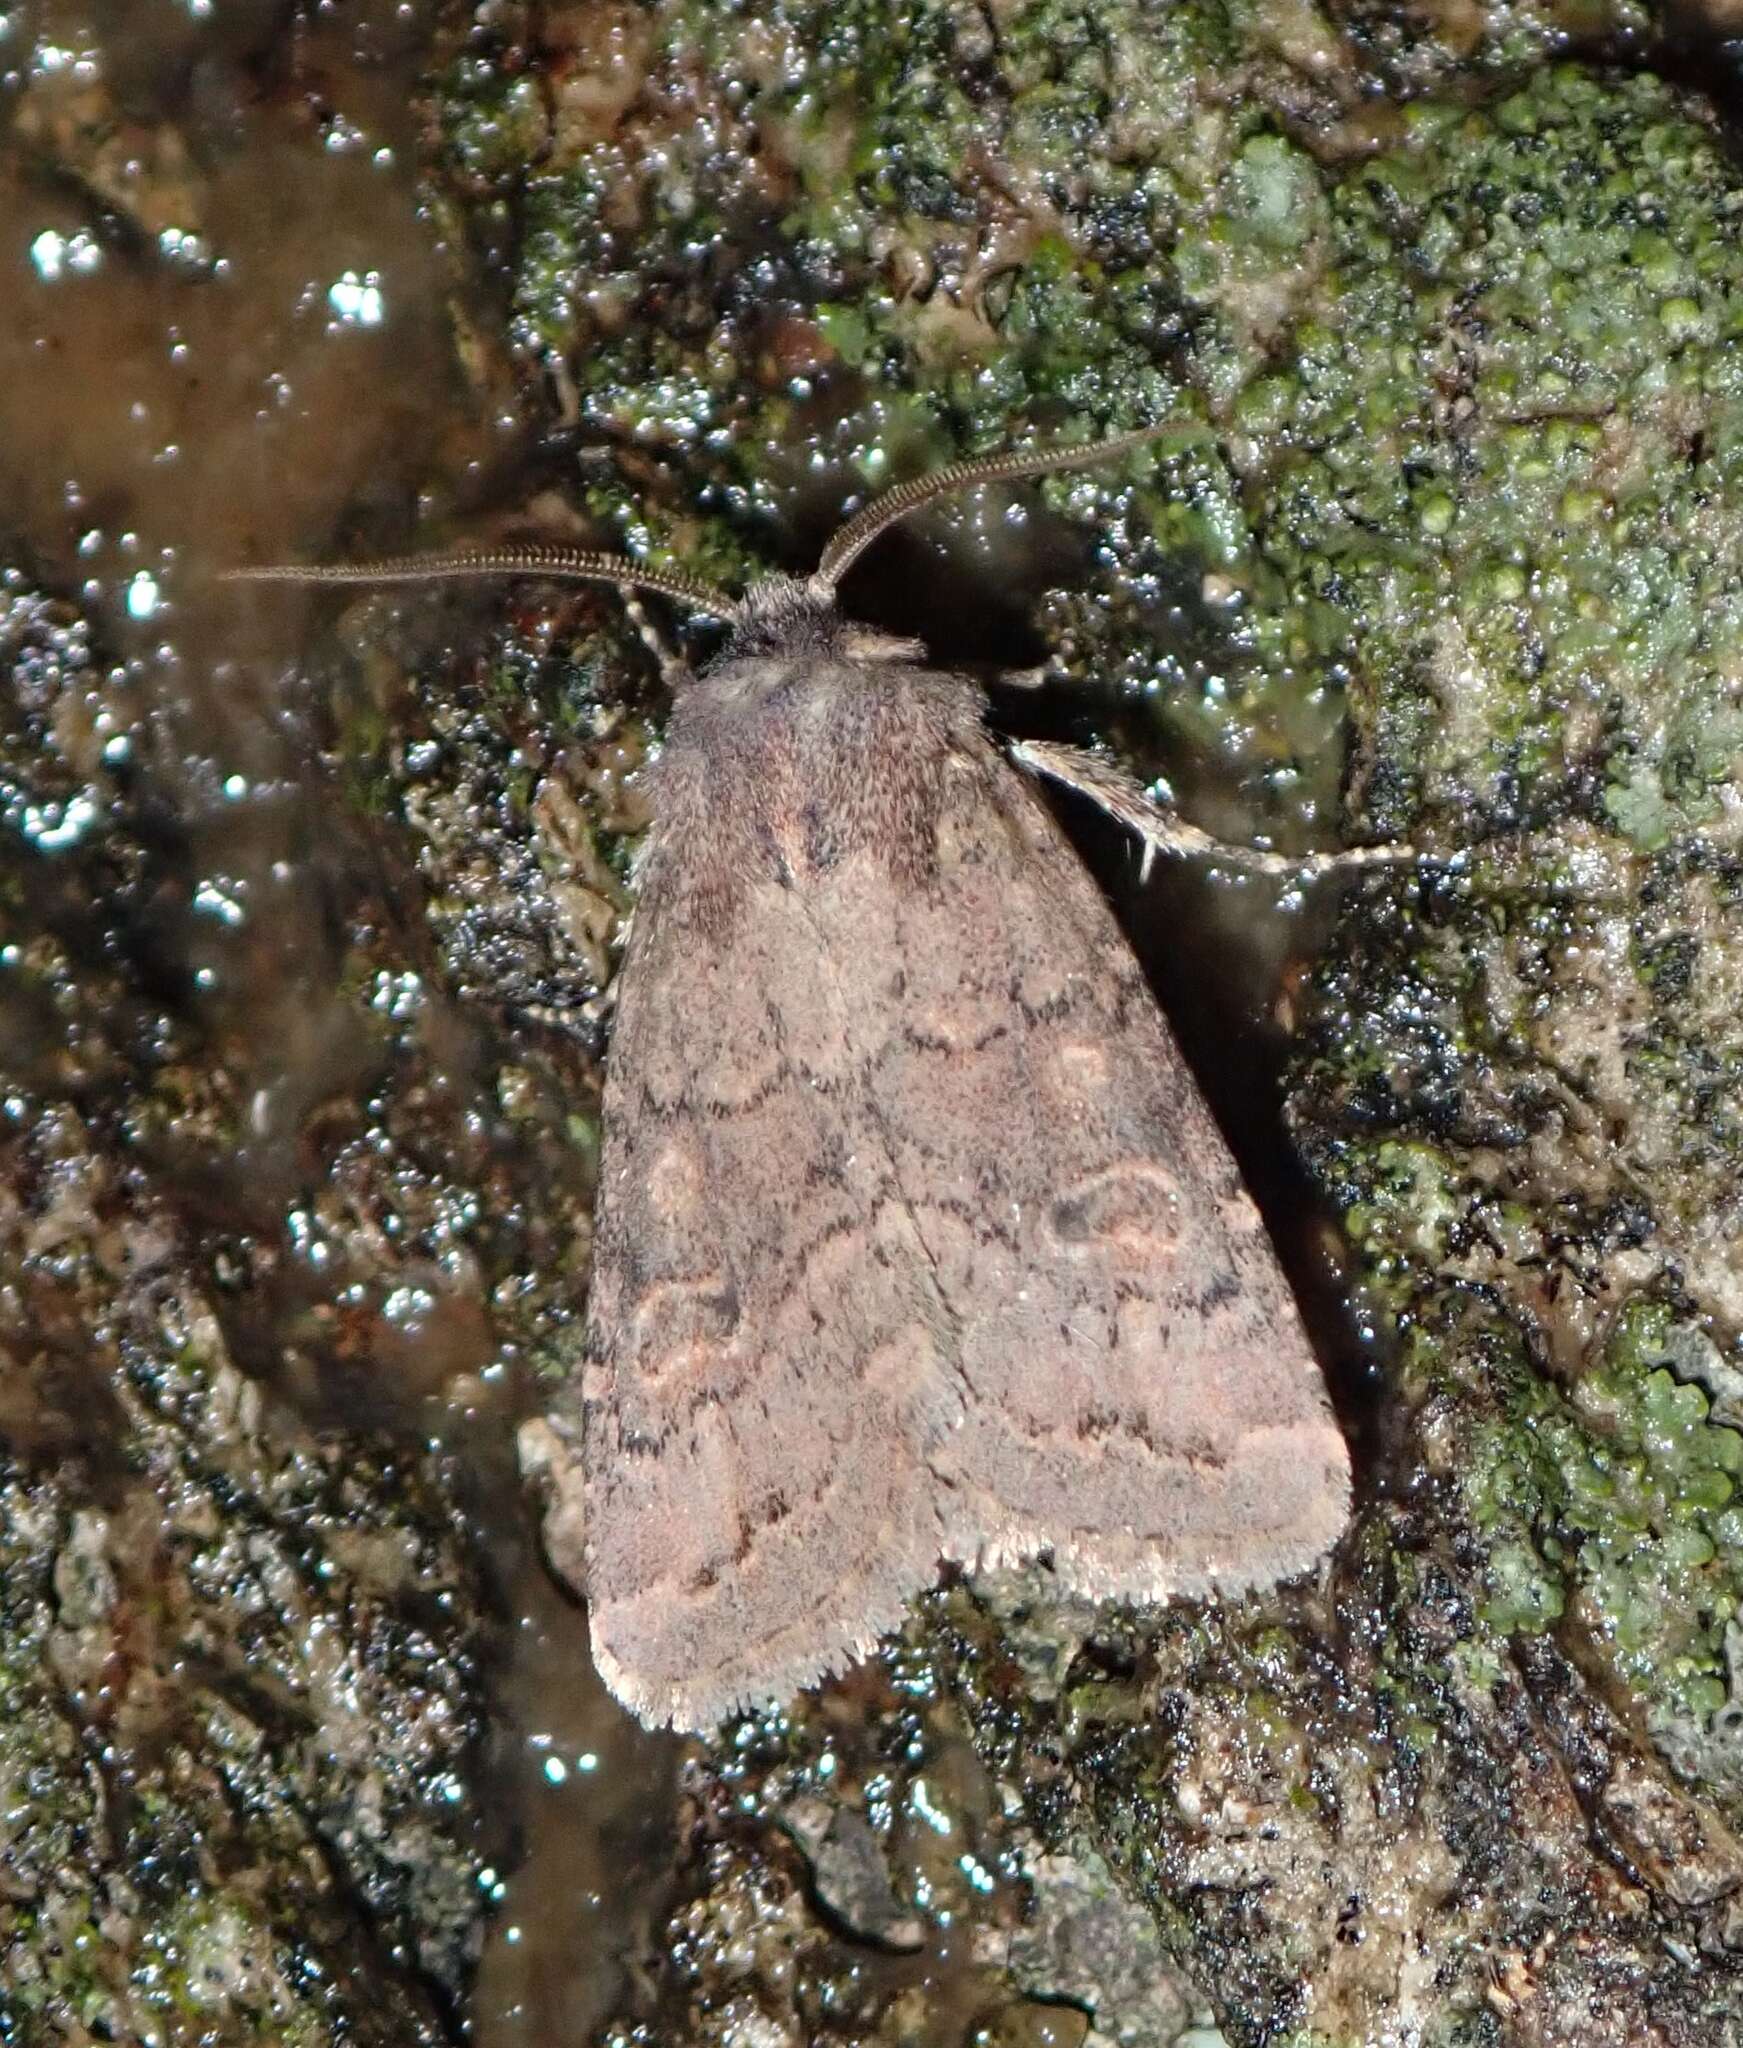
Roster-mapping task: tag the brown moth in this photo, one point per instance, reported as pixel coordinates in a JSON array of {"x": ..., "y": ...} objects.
[{"x": 915, "y": 1239}]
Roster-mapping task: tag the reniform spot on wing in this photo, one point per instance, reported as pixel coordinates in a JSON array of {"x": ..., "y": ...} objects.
[{"x": 1134, "y": 1209}]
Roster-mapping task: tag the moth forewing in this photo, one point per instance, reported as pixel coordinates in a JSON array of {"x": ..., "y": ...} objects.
[{"x": 916, "y": 1240}]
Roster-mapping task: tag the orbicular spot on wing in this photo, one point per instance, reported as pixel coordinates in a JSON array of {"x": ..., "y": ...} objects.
[
  {"x": 681, "y": 1329},
  {"x": 1133, "y": 1209}
]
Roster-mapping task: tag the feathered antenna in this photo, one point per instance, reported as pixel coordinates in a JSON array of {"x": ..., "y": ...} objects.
[
  {"x": 531, "y": 558},
  {"x": 563, "y": 563},
  {"x": 852, "y": 540}
]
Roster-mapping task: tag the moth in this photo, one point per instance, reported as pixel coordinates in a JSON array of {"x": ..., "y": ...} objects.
[{"x": 915, "y": 1239}]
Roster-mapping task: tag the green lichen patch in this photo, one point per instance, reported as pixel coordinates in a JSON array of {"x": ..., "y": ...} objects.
[{"x": 1614, "y": 1507}]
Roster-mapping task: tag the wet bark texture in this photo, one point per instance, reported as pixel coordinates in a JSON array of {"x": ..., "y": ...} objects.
[{"x": 239, "y": 1687}]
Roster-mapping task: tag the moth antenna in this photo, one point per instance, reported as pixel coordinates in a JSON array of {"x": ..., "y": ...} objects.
[
  {"x": 852, "y": 540},
  {"x": 532, "y": 558}
]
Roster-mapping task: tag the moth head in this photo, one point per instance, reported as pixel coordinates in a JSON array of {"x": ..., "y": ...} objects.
[
  {"x": 799, "y": 614},
  {"x": 779, "y": 614}
]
